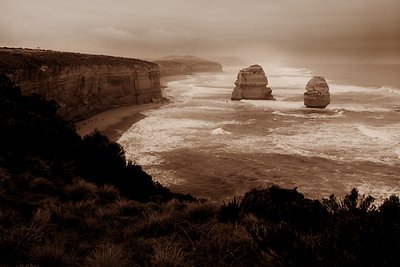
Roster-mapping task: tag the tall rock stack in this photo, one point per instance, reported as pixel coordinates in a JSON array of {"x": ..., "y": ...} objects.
[
  {"x": 252, "y": 83},
  {"x": 317, "y": 95}
]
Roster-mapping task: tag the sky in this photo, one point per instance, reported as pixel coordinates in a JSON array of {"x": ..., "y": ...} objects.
[{"x": 366, "y": 31}]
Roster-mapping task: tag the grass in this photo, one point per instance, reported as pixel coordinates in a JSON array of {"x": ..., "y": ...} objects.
[
  {"x": 83, "y": 231},
  {"x": 168, "y": 253},
  {"x": 107, "y": 255}
]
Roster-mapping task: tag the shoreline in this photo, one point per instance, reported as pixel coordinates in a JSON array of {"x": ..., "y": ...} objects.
[{"x": 115, "y": 121}]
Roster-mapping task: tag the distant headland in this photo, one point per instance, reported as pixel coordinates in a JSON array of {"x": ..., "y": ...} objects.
[{"x": 179, "y": 65}]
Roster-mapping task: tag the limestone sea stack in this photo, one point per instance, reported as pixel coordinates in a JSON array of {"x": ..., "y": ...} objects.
[
  {"x": 317, "y": 95},
  {"x": 252, "y": 83}
]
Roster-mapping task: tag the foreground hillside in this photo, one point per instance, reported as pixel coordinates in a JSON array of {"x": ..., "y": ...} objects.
[{"x": 68, "y": 201}]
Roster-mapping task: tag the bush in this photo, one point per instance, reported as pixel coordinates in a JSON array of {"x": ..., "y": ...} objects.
[
  {"x": 276, "y": 204},
  {"x": 229, "y": 212}
]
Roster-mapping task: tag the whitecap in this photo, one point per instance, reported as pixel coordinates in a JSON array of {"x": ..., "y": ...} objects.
[
  {"x": 275, "y": 104},
  {"x": 338, "y": 88},
  {"x": 390, "y": 89},
  {"x": 397, "y": 152},
  {"x": 374, "y": 133},
  {"x": 337, "y": 113},
  {"x": 219, "y": 131},
  {"x": 358, "y": 108}
]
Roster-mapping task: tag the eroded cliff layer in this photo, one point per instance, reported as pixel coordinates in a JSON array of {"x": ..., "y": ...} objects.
[
  {"x": 82, "y": 84},
  {"x": 251, "y": 83},
  {"x": 182, "y": 65}
]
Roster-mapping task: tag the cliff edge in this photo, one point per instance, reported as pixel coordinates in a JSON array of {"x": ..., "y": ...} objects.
[
  {"x": 182, "y": 65},
  {"x": 82, "y": 84}
]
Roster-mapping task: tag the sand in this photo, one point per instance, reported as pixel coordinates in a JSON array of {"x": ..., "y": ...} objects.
[{"x": 114, "y": 122}]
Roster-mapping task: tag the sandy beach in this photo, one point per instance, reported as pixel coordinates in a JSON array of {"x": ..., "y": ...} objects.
[{"x": 114, "y": 122}]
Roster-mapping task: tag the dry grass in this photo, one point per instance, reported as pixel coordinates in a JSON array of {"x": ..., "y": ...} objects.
[
  {"x": 168, "y": 253},
  {"x": 41, "y": 217},
  {"x": 81, "y": 190},
  {"x": 108, "y": 193},
  {"x": 50, "y": 254},
  {"x": 200, "y": 212},
  {"x": 129, "y": 207},
  {"x": 225, "y": 245},
  {"x": 107, "y": 255},
  {"x": 156, "y": 223}
]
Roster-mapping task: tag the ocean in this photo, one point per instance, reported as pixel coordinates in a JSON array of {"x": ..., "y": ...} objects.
[{"x": 204, "y": 144}]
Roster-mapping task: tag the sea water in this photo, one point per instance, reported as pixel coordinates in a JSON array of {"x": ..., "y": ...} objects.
[{"x": 204, "y": 144}]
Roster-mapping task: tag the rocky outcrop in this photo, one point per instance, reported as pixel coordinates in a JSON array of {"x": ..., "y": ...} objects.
[
  {"x": 317, "y": 94},
  {"x": 183, "y": 65},
  {"x": 252, "y": 83},
  {"x": 81, "y": 84}
]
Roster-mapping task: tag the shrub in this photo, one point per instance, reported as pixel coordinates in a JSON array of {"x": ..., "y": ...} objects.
[
  {"x": 353, "y": 202},
  {"x": 276, "y": 204},
  {"x": 229, "y": 212},
  {"x": 100, "y": 160},
  {"x": 390, "y": 209}
]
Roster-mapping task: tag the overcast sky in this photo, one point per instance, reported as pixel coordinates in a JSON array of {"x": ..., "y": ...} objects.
[{"x": 276, "y": 30}]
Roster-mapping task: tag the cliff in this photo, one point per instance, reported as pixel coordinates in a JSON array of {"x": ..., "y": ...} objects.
[
  {"x": 182, "y": 65},
  {"x": 317, "y": 93},
  {"x": 251, "y": 83},
  {"x": 81, "y": 84}
]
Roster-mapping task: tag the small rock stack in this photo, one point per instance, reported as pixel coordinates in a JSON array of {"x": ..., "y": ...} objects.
[
  {"x": 317, "y": 95},
  {"x": 252, "y": 83}
]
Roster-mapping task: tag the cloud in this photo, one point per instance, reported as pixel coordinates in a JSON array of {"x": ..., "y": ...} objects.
[
  {"x": 357, "y": 29},
  {"x": 111, "y": 32}
]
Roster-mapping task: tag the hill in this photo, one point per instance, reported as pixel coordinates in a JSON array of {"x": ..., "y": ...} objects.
[{"x": 182, "y": 65}]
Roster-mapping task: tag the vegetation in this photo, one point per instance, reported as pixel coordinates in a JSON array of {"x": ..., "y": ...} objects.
[
  {"x": 68, "y": 201},
  {"x": 14, "y": 59}
]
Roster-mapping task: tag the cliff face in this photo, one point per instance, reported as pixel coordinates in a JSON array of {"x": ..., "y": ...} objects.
[
  {"x": 82, "y": 84},
  {"x": 182, "y": 65},
  {"x": 252, "y": 83}
]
